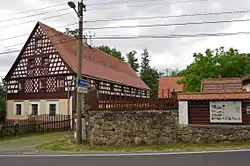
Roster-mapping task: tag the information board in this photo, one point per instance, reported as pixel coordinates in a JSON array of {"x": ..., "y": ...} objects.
[{"x": 225, "y": 112}]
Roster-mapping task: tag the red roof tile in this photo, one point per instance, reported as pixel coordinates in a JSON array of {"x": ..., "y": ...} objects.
[
  {"x": 222, "y": 85},
  {"x": 95, "y": 62},
  {"x": 169, "y": 84},
  {"x": 214, "y": 96}
]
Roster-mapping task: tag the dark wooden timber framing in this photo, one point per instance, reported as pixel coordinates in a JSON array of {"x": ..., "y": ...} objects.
[
  {"x": 198, "y": 112},
  {"x": 39, "y": 69}
]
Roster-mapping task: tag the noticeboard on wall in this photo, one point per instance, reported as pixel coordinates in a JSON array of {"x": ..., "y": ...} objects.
[
  {"x": 248, "y": 110},
  {"x": 225, "y": 112}
]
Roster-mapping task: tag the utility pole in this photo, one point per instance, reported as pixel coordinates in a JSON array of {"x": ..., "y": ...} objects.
[{"x": 79, "y": 13}]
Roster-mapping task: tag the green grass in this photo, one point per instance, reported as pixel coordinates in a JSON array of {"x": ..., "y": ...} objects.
[
  {"x": 64, "y": 142},
  {"x": 28, "y": 142},
  {"x": 68, "y": 144}
]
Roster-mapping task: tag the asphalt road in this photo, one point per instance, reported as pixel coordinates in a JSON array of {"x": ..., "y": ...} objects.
[{"x": 241, "y": 158}]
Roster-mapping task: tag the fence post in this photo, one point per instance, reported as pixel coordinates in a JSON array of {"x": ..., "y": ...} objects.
[{"x": 16, "y": 128}]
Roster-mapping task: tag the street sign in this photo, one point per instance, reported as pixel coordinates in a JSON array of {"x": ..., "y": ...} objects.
[
  {"x": 82, "y": 82},
  {"x": 82, "y": 89}
]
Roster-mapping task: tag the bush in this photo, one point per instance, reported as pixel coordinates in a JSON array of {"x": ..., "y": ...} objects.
[{"x": 2, "y": 110}]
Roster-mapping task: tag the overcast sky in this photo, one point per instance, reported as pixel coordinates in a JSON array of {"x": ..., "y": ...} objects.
[{"x": 165, "y": 53}]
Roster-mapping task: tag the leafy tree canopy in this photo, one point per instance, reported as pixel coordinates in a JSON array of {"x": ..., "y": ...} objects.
[
  {"x": 112, "y": 52},
  {"x": 73, "y": 33},
  {"x": 104, "y": 48},
  {"x": 212, "y": 63}
]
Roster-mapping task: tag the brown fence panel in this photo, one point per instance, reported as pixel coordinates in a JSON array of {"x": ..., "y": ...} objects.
[
  {"x": 137, "y": 105},
  {"x": 36, "y": 124}
]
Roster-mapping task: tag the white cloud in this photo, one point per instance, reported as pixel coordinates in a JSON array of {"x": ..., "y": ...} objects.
[{"x": 165, "y": 53}]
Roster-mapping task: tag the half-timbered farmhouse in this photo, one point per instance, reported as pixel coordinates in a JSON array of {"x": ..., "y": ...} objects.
[{"x": 42, "y": 78}]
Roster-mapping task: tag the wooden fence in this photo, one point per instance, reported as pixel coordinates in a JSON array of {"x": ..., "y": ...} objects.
[
  {"x": 35, "y": 124},
  {"x": 137, "y": 105}
]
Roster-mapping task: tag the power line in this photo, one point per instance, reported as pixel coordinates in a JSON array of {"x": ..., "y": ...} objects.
[
  {"x": 174, "y": 35},
  {"x": 46, "y": 18},
  {"x": 34, "y": 10},
  {"x": 32, "y": 15},
  {"x": 13, "y": 37},
  {"x": 152, "y": 4},
  {"x": 167, "y": 36},
  {"x": 161, "y": 3},
  {"x": 166, "y": 25},
  {"x": 117, "y": 2},
  {"x": 172, "y": 16},
  {"x": 161, "y": 25},
  {"x": 155, "y": 17}
]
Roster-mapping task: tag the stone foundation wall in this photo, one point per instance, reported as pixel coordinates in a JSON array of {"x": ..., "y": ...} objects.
[{"x": 155, "y": 127}]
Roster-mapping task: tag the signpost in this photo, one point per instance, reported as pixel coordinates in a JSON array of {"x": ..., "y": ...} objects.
[
  {"x": 82, "y": 82},
  {"x": 82, "y": 86}
]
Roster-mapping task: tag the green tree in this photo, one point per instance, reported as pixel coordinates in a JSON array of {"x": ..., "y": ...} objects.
[
  {"x": 212, "y": 63},
  {"x": 145, "y": 59},
  {"x": 112, "y": 51},
  {"x": 133, "y": 61},
  {"x": 148, "y": 74},
  {"x": 2, "y": 103},
  {"x": 104, "y": 48},
  {"x": 73, "y": 33}
]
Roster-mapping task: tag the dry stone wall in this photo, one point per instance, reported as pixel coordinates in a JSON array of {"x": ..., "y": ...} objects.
[{"x": 155, "y": 127}]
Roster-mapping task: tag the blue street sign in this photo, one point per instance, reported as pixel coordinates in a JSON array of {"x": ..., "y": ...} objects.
[{"x": 82, "y": 82}]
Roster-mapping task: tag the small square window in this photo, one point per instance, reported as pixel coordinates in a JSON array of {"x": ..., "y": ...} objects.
[
  {"x": 34, "y": 109},
  {"x": 52, "y": 109},
  {"x": 31, "y": 63},
  {"x": 38, "y": 43},
  {"x": 45, "y": 61},
  {"x": 18, "y": 109}
]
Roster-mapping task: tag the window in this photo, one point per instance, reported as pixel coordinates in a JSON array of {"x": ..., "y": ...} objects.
[
  {"x": 45, "y": 61},
  {"x": 21, "y": 86},
  {"x": 34, "y": 109},
  {"x": 52, "y": 109},
  {"x": 61, "y": 83},
  {"x": 18, "y": 109},
  {"x": 42, "y": 84},
  {"x": 31, "y": 63},
  {"x": 38, "y": 43}
]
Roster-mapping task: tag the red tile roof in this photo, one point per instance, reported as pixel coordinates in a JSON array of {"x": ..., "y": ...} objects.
[
  {"x": 222, "y": 85},
  {"x": 214, "y": 96},
  {"x": 95, "y": 62},
  {"x": 169, "y": 84}
]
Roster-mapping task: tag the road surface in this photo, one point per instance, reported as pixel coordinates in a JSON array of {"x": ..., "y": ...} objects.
[{"x": 236, "y": 158}]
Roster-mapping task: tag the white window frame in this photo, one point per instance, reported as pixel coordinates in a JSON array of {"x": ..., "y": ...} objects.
[
  {"x": 14, "y": 108},
  {"x": 30, "y": 107},
  {"x": 52, "y": 102}
]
